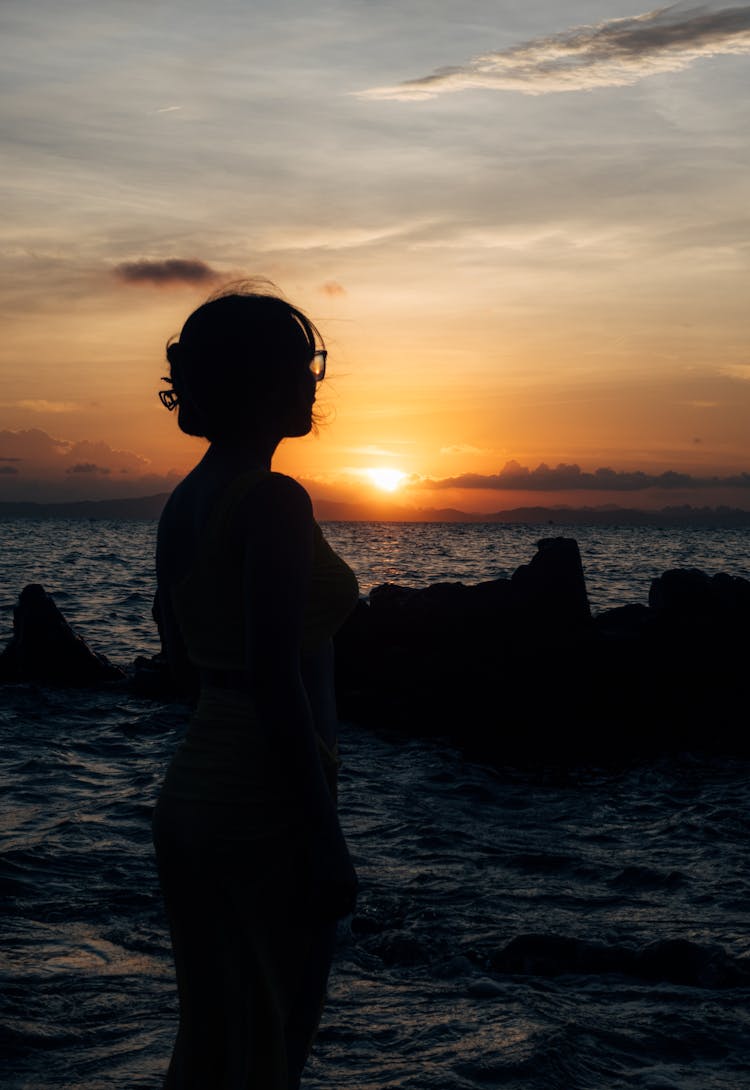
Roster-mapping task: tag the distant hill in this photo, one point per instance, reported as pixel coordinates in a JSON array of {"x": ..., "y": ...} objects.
[
  {"x": 150, "y": 507},
  {"x": 143, "y": 507},
  {"x": 725, "y": 517}
]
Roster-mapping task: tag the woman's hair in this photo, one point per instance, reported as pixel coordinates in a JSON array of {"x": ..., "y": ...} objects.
[{"x": 242, "y": 345}]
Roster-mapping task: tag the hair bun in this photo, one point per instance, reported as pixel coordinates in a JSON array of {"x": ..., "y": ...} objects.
[{"x": 174, "y": 354}]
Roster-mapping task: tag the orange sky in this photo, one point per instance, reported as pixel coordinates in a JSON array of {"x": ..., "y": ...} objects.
[{"x": 509, "y": 267}]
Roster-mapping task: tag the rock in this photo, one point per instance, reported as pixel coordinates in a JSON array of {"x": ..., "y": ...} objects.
[
  {"x": 150, "y": 678},
  {"x": 45, "y": 649},
  {"x": 478, "y": 663},
  {"x": 517, "y": 671},
  {"x": 685, "y": 962},
  {"x": 554, "y": 955},
  {"x": 687, "y": 602},
  {"x": 623, "y": 623},
  {"x": 551, "y": 589},
  {"x": 678, "y": 961}
]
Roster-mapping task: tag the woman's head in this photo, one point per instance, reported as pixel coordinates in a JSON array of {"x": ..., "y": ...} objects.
[{"x": 244, "y": 358}]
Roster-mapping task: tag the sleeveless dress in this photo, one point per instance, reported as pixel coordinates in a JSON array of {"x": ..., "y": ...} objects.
[{"x": 231, "y": 842}]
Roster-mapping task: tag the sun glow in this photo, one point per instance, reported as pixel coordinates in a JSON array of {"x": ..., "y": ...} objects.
[{"x": 386, "y": 479}]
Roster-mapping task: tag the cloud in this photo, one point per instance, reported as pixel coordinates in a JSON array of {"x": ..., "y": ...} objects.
[
  {"x": 41, "y": 405},
  {"x": 614, "y": 53},
  {"x": 87, "y": 467},
  {"x": 739, "y": 371},
  {"x": 369, "y": 450},
  {"x": 38, "y": 466},
  {"x": 332, "y": 288},
  {"x": 31, "y": 446},
  {"x": 42, "y": 455},
  {"x": 461, "y": 448},
  {"x": 342, "y": 237},
  {"x": 569, "y": 478},
  {"x": 172, "y": 270}
]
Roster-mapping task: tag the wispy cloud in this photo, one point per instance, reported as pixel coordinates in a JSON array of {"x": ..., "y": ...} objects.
[
  {"x": 739, "y": 371},
  {"x": 462, "y": 448},
  {"x": 316, "y": 237},
  {"x": 172, "y": 270},
  {"x": 332, "y": 288},
  {"x": 369, "y": 451},
  {"x": 614, "y": 53},
  {"x": 567, "y": 478},
  {"x": 42, "y": 405}
]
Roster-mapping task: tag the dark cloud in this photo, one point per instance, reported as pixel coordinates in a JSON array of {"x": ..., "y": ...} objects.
[
  {"x": 610, "y": 54},
  {"x": 568, "y": 478},
  {"x": 47, "y": 457},
  {"x": 173, "y": 270},
  {"x": 32, "y": 445},
  {"x": 87, "y": 467},
  {"x": 9, "y": 469}
]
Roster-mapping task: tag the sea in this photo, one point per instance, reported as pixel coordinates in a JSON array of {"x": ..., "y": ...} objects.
[{"x": 458, "y": 861}]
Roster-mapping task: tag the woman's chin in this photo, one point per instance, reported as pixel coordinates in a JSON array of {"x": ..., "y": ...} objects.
[{"x": 298, "y": 428}]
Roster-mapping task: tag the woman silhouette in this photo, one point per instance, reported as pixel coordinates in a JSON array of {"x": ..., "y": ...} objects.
[{"x": 252, "y": 862}]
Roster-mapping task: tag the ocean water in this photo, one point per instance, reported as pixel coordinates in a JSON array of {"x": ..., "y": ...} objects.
[{"x": 456, "y": 861}]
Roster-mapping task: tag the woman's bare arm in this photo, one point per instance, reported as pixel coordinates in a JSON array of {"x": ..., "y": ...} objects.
[
  {"x": 183, "y": 673},
  {"x": 278, "y": 562}
]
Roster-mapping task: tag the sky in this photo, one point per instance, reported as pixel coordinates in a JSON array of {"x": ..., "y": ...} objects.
[{"x": 522, "y": 230}]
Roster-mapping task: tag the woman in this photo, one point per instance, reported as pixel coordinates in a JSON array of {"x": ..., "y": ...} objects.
[{"x": 252, "y": 862}]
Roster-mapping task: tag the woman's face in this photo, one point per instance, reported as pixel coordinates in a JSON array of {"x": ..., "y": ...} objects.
[{"x": 298, "y": 409}]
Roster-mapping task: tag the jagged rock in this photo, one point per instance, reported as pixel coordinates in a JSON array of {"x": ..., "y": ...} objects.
[
  {"x": 517, "y": 670},
  {"x": 624, "y": 623},
  {"x": 551, "y": 589},
  {"x": 689, "y": 601},
  {"x": 44, "y": 647},
  {"x": 476, "y": 663},
  {"x": 553, "y": 955},
  {"x": 150, "y": 678},
  {"x": 678, "y": 961}
]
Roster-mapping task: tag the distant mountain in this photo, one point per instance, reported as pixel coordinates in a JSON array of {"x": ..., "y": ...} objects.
[
  {"x": 143, "y": 507},
  {"x": 150, "y": 507},
  {"x": 724, "y": 517}
]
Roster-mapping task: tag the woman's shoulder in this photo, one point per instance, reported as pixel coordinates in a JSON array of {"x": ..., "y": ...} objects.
[
  {"x": 283, "y": 486},
  {"x": 278, "y": 498},
  {"x": 177, "y": 511}
]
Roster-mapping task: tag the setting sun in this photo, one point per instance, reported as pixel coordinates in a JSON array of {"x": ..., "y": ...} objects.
[{"x": 387, "y": 479}]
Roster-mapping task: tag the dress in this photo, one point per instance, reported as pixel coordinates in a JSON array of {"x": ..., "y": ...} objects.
[{"x": 231, "y": 844}]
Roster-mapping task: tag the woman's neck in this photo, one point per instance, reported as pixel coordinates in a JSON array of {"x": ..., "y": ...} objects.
[{"x": 245, "y": 453}]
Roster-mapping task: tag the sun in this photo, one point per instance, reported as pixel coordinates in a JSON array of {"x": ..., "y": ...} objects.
[{"x": 386, "y": 479}]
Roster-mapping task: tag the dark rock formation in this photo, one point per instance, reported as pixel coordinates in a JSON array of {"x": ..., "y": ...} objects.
[
  {"x": 45, "y": 649},
  {"x": 518, "y": 670},
  {"x": 678, "y": 961}
]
